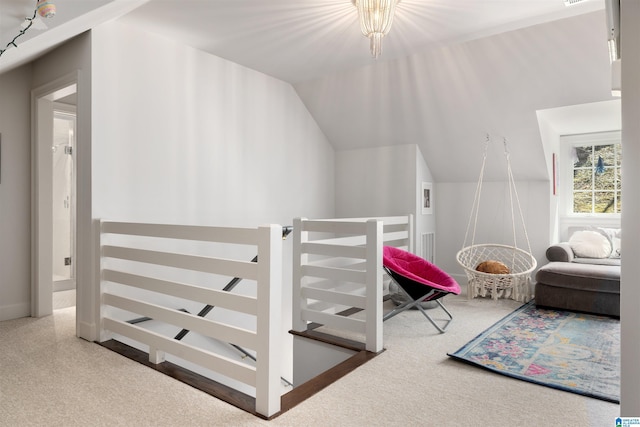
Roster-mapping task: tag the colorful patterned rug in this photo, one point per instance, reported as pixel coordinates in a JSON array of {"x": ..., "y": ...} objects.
[{"x": 575, "y": 352}]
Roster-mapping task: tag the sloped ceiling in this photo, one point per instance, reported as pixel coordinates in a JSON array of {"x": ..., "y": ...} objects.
[
  {"x": 451, "y": 72},
  {"x": 300, "y": 40},
  {"x": 448, "y": 100}
]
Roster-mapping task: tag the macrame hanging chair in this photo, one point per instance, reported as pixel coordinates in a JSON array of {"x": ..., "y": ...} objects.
[{"x": 511, "y": 275}]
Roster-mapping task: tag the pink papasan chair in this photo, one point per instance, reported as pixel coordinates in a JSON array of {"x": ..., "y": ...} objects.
[{"x": 420, "y": 280}]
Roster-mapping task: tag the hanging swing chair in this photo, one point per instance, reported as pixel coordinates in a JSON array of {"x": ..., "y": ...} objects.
[{"x": 497, "y": 270}]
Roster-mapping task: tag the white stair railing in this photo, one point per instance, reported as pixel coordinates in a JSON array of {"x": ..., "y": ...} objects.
[
  {"x": 136, "y": 290},
  {"x": 337, "y": 265}
]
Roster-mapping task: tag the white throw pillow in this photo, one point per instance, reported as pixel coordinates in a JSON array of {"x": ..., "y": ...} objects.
[
  {"x": 590, "y": 244},
  {"x": 613, "y": 234}
]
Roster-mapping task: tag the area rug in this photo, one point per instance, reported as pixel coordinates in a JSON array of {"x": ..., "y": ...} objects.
[{"x": 575, "y": 352}]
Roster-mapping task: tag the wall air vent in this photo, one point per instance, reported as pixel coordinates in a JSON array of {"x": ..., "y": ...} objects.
[
  {"x": 572, "y": 2},
  {"x": 429, "y": 247}
]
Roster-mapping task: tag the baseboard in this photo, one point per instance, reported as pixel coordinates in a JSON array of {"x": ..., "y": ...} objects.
[
  {"x": 15, "y": 311},
  {"x": 87, "y": 331},
  {"x": 64, "y": 285}
]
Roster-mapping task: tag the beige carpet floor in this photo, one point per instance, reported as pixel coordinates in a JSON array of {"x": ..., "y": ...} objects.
[{"x": 50, "y": 377}]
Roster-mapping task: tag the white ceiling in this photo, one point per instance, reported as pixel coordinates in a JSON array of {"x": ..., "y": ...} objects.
[
  {"x": 451, "y": 71},
  {"x": 299, "y": 40},
  {"x": 296, "y": 40}
]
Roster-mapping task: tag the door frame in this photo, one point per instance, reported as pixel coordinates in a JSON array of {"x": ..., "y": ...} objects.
[
  {"x": 60, "y": 109},
  {"x": 42, "y": 99}
]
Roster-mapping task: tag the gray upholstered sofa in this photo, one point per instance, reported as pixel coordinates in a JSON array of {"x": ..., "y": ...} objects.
[{"x": 574, "y": 283}]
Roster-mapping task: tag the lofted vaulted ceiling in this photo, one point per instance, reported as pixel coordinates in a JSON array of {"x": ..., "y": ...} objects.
[{"x": 451, "y": 71}]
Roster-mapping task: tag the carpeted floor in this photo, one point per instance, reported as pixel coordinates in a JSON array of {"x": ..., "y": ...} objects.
[
  {"x": 575, "y": 352},
  {"x": 49, "y": 377}
]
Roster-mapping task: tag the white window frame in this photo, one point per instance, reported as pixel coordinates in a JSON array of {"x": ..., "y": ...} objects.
[{"x": 565, "y": 177}]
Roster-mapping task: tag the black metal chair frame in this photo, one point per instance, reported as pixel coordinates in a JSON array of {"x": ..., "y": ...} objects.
[{"x": 416, "y": 295}]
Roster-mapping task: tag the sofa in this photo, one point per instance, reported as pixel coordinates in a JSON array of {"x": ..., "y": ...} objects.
[{"x": 581, "y": 278}]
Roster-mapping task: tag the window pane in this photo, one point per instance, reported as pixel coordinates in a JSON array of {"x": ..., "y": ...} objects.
[
  {"x": 582, "y": 179},
  {"x": 619, "y": 203},
  {"x": 619, "y": 178},
  {"x": 619, "y": 154},
  {"x": 607, "y": 153},
  {"x": 582, "y": 202},
  {"x": 605, "y": 180},
  {"x": 603, "y": 202},
  {"x": 584, "y": 157}
]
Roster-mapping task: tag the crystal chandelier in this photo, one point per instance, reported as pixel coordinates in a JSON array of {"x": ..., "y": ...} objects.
[{"x": 376, "y": 17}]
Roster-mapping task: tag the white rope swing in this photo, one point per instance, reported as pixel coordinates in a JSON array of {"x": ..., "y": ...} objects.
[{"x": 513, "y": 279}]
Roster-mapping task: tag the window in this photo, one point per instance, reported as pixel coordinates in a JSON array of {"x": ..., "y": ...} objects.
[
  {"x": 593, "y": 163},
  {"x": 596, "y": 179}
]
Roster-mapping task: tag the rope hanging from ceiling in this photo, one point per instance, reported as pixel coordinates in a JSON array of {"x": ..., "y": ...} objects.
[{"x": 497, "y": 270}]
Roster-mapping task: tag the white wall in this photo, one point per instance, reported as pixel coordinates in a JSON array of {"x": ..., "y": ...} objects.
[
  {"x": 376, "y": 181},
  {"x": 180, "y": 136},
  {"x": 551, "y": 145},
  {"x": 383, "y": 181},
  {"x": 15, "y": 193}
]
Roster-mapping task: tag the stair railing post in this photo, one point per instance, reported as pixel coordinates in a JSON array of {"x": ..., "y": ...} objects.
[
  {"x": 373, "y": 309},
  {"x": 269, "y": 295},
  {"x": 299, "y": 260}
]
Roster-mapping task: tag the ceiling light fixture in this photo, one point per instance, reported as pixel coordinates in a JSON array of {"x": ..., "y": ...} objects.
[
  {"x": 376, "y": 17},
  {"x": 46, "y": 9}
]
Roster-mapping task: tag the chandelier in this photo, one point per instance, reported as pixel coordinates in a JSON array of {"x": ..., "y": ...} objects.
[{"x": 376, "y": 17}]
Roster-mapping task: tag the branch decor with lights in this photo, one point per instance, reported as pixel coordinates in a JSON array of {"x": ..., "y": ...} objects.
[{"x": 44, "y": 8}]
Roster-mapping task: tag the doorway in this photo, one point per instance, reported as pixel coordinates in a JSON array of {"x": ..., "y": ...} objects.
[
  {"x": 53, "y": 189},
  {"x": 63, "y": 207}
]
